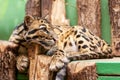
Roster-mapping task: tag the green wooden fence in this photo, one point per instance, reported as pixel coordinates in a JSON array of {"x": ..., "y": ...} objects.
[{"x": 12, "y": 13}]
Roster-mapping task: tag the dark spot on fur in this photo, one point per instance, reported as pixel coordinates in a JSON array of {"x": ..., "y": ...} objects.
[
  {"x": 77, "y": 36},
  {"x": 92, "y": 42},
  {"x": 79, "y": 47},
  {"x": 32, "y": 31},
  {"x": 35, "y": 37},
  {"x": 70, "y": 44},
  {"x": 80, "y": 42},
  {"x": 96, "y": 38},
  {"x": 84, "y": 30},
  {"x": 91, "y": 38},
  {"x": 75, "y": 42},
  {"x": 86, "y": 38},
  {"x": 27, "y": 38},
  {"x": 84, "y": 46},
  {"x": 20, "y": 31},
  {"x": 99, "y": 44},
  {"x": 66, "y": 36},
  {"x": 65, "y": 44},
  {"x": 93, "y": 46},
  {"x": 91, "y": 33},
  {"x": 75, "y": 32}
]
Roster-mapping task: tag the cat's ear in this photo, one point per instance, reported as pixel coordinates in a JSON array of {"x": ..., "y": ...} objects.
[{"x": 28, "y": 20}]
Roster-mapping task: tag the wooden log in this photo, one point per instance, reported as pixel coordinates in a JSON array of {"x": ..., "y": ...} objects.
[
  {"x": 81, "y": 71},
  {"x": 114, "y": 7},
  {"x": 7, "y": 60},
  {"x": 89, "y": 15}
]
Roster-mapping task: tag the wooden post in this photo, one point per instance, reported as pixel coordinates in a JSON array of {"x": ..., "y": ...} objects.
[
  {"x": 58, "y": 14},
  {"x": 7, "y": 60},
  {"x": 89, "y": 15},
  {"x": 114, "y": 6},
  {"x": 81, "y": 71}
]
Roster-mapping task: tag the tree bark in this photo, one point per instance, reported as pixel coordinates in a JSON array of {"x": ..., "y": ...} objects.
[
  {"x": 114, "y": 6},
  {"x": 89, "y": 15},
  {"x": 81, "y": 71},
  {"x": 7, "y": 60}
]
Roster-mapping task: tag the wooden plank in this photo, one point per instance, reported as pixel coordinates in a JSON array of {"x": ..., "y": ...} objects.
[
  {"x": 108, "y": 78},
  {"x": 71, "y": 11},
  {"x": 114, "y": 6},
  {"x": 105, "y": 21},
  {"x": 106, "y": 66},
  {"x": 89, "y": 15}
]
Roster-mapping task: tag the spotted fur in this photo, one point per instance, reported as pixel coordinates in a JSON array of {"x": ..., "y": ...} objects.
[
  {"x": 64, "y": 43},
  {"x": 33, "y": 25},
  {"x": 72, "y": 43}
]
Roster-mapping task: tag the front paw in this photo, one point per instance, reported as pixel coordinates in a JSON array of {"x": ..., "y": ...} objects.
[
  {"x": 59, "y": 60},
  {"x": 22, "y": 63}
]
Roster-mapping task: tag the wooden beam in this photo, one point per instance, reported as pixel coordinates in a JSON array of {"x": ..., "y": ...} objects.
[
  {"x": 89, "y": 15},
  {"x": 33, "y": 7},
  {"x": 114, "y": 6},
  {"x": 58, "y": 13},
  {"x": 81, "y": 71}
]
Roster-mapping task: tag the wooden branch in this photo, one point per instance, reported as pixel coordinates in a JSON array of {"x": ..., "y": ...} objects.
[
  {"x": 89, "y": 15},
  {"x": 81, "y": 71},
  {"x": 7, "y": 60},
  {"x": 114, "y": 6}
]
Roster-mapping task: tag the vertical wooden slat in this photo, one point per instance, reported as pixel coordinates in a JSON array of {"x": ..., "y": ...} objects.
[
  {"x": 114, "y": 6},
  {"x": 89, "y": 15},
  {"x": 46, "y": 6},
  {"x": 33, "y": 8},
  {"x": 58, "y": 13}
]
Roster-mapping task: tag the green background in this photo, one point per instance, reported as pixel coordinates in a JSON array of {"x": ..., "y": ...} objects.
[{"x": 12, "y": 13}]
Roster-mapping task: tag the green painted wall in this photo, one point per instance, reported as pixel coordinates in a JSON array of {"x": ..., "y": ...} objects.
[{"x": 11, "y": 14}]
